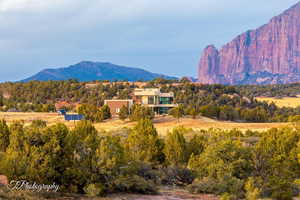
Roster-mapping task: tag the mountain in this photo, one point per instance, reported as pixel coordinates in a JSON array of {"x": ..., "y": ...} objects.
[
  {"x": 267, "y": 55},
  {"x": 89, "y": 71}
]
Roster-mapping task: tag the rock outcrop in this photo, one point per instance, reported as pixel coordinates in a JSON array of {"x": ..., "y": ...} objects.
[{"x": 267, "y": 55}]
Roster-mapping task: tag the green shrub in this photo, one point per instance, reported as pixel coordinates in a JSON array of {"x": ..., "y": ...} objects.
[
  {"x": 177, "y": 176},
  {"x": 94, "y": 190},
  {"x": 135, "y": 184},
  {"x": 227, "y": 196}
]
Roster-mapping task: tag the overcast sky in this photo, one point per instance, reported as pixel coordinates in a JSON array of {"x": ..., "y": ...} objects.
[{"x": 163, "y": 36}]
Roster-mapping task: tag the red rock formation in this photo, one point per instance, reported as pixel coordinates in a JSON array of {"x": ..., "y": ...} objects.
[{"x": 267, "y": 55}]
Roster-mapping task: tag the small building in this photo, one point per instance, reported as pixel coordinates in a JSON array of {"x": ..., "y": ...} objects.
[
  {"x": 152, "y": 97},
  {"x": 116, "y": 105}
]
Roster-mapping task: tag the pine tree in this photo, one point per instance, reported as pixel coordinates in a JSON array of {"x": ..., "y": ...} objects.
[
  {"x": 106, "y": 112},
  {"x": 177, "y": 112},
  {"x": 4, "y": 136},
  {"x": 175, "y": 150},
  {"x": 124, "y": 113},
  {"x": 143, "y": 143}
]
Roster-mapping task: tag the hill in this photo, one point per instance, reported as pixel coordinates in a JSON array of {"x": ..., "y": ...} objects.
[
  {"x": 267, "y": 55},
  {"x": 89, "y": 71}
]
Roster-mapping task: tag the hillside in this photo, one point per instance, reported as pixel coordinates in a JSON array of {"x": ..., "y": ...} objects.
[
  {"x": 89, "y": 71},
  {"x": 267, "y": 55}
]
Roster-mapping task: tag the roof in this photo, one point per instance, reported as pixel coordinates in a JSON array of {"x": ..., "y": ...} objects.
[
  {"x": 147, "y": 92},
  {"x": 171, "y": 94},
  {"x": 152, "y": 92}
]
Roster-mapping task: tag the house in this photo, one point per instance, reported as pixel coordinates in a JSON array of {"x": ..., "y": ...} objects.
[
  {"x": 152, "y": 97},
  {"x": 116, "y": 105}
]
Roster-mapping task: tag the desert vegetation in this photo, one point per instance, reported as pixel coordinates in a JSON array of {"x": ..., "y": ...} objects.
[
  {"x": 231, "y": 164},
  {"x": 229, "y": 103}
]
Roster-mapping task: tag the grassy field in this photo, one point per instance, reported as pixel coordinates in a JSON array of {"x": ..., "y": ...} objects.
[
  {"x": 282, "y": 102},
  {"x": 162, "y": 124}
]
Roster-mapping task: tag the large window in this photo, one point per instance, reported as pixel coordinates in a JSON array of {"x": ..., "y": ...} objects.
[
  {"x": 166, "y": 100},
  {"x": 151, "y": 100}
]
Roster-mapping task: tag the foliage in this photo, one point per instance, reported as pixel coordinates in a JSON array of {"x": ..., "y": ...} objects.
[
  {"x": 177, "y": 112},
  {"x": 139, "y": 112},
  {"x": 143, "y": 143},
  {"x": 85, "y": 161},
  {"x": 4, "y": 136},
  {"x": 124, "y": 113},
  {"x": 175, "y": 148}
]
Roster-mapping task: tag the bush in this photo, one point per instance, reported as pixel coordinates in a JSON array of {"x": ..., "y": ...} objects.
[
  {"x": 94, "y": 190},
  {"x": 177, "y": 176},
  {"x": 135, "y": 184},
  {"x": 207, "y": 185},
  {"x": 227, "y": 196}
]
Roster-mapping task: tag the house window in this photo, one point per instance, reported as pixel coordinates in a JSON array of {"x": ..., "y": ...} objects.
[
  {"x": 165, "y": 100},
  {"x": 151, "y": 100},
  {"x": 117, "y": 110}
]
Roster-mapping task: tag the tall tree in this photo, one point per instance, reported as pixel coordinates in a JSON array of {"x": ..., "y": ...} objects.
[
  {"x": 175, "y": 150},
  {"x": 4, "y": 136},
  {"x": 143, "y": 143}
]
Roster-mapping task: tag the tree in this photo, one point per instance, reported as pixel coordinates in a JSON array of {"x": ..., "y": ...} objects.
[
  {"x": 93, "y": 113},
  {"x": 139, "y": 112},
  {"x": 106, "y": 112},
  {"x": 193, "y": 111},
  {"x": 176, "y": 148},
  {"x": 1, "y": 100},
  {"x": 177, "y": 112},
  {"x": 124, "y": 113},
  {"x": 110, "y": 155},
  {"x": 143, "y": 143},
  {"x": 275, "y": 160},
  {"x": 228, "y": 113},
  {"x": 222, "y": 158},
  {"x": 4, "y": 136},
  {"x": 210, "y": 111}
]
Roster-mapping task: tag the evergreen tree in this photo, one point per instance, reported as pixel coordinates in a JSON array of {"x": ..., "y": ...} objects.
[
  {"x": 177, "y": 112},
  {"x": 124, "y": 113},
  {"x": 4, "y": 136},
  {"x": 143, "y": 143},
  {"x": 106, "y": 112},
  {"x": 176, "y": 148}
]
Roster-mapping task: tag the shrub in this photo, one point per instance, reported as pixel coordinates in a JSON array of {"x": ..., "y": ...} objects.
[
  {"x": 177, "y": 176},
  {"x": 94, "y": 190},
  {"x": 135, "y": 184},
  {"x": 227, "y": 196}
]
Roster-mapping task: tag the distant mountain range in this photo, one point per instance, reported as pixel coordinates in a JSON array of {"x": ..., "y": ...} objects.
[
  {"x": 90, "y": 71},
  {"x": 267, "y": 55}
]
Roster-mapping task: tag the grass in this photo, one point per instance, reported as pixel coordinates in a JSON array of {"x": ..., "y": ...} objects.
[
  {"x": 162, "y": 124},
  {"x": 292, "y": 102}
]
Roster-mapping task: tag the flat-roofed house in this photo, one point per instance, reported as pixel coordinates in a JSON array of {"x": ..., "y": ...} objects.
[
  {"x": 116, "y": 105},
  {"x": 152, "y": 97}
]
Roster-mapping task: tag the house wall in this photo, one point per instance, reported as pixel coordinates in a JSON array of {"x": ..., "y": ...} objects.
[{"x": 115, "y": 106}]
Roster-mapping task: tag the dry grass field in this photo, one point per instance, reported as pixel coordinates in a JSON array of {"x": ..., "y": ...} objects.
[
  {"x": 282, "y": 102},
  {"x": 163, "y": 124}
]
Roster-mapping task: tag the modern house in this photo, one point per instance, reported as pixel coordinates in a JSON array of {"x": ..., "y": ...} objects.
[
  {"x": 160, "y": 102},
  {"x": 152, "y": 97},
  {"x": 116, "y": 105}
]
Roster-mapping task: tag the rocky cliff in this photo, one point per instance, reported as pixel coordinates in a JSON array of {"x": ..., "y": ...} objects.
[{"x": 267, "y": 55}]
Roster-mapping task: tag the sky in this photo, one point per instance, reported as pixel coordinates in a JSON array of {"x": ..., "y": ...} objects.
[{"x": 162, "y": 36}]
